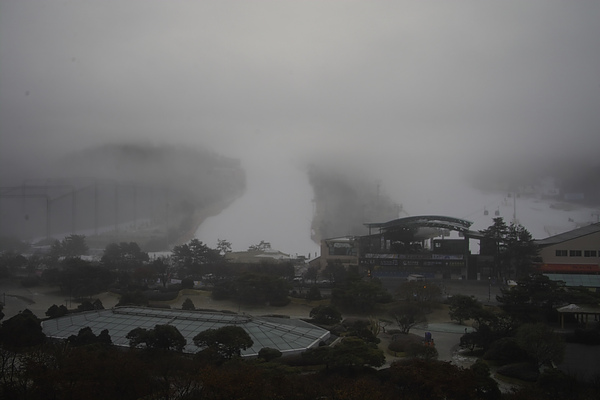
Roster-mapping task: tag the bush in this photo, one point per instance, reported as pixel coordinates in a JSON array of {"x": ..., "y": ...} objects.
[
  {"x": 314, "y": 293},
  {"x": 401, "y": 342},
  {"x": 361, "y": 328},
  {"x": 557, "y": 385},
  {"x": 505, "y": 351},
  {"x": 162, "y": 296},
  {"x": 269, "y": 354},
  {"x": 85, "y": 305},
  {"x": 327, "y": 315},
  {"x": 136, "y": 298},
  {"x": 55, "y": 311},
  {"x": 524, "y": 371},
  {"x": 188, "y": 304},
  {"x": 187, "y": 283},
  {"x": 422, "y": 351}
]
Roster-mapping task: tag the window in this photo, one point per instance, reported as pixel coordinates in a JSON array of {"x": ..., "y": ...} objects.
[
  {"x": 574, "y": 253},
  {"x": 561, "y": 253},
  {"x": 590, "y": 253}
]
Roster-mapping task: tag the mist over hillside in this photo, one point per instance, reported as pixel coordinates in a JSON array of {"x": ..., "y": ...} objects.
[
  {"x": 157, "y": 195},
  {"x": 577, "y": 179},
  {"x": 345, "y": 200}
]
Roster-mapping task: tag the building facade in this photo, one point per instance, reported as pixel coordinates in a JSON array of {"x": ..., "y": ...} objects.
[
  {"x": 573, "y": 252},
  {"x": 431, "y": 245}
]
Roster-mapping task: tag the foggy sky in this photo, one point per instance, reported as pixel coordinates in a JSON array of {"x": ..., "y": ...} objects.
[{"x": 414, "y": 91}]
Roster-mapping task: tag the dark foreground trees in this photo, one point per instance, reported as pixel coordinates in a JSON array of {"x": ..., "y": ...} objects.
[
  {"x": 21, "y": 331},
  {"x": 91, "y": 372}
]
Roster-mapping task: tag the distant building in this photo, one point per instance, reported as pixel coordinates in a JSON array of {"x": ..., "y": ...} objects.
[
  {"x": 344, "y": 250},
  {"x": 411, "y": 245},
  {"x": 572, "y": 252}
]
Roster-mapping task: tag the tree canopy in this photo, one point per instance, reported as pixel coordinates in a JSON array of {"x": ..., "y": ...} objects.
[
  {"x": 463, "y": 307},
  {"x": 512, "y": 246},
  {"x": 194, "y": 254},
  {"x": 534, "y": 298},
  {"x": 228, "y": 341},
  {"x": 124, "y": 255},
  {"x": 541, "y": 343},
  {"x": 407, "y": 315},
  {"x": 70, "y": 246},
  {"x": 161, "y": 337},
  {"x": 325, "y": 314},
  {"x": 352, "y": 351},
  {"x": 358, "y": 295}
]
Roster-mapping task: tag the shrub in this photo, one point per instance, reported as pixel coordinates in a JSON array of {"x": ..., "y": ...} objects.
[
  {"x": 524, "y": 371},
  {"x": 505, "y": 351},
  {"x": 162, "y": 296},
  {"x": 55, "y": 311},
  {"x": 327, "y": 315},
  {"x": 400, "y": 343},
  {"x": 314, "y": 293},
  {"x": 188, "y": 304},
  {"x": 420, "y": 350},
  {"x": 268, "y": 354},
  {"x": 136, "y": 298},
  {"x": 557, "y": 385},
  {"x": 187, "y": 283}
]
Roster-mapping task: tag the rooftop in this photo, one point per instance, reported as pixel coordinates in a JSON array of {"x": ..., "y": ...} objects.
[
  {"x": 570, "y": 235},
  {"x": 290, "y": 336},
  {"x": 576, "y": 280}
]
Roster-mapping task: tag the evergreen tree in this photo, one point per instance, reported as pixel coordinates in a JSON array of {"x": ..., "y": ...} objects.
[{"x": 512, "y": 246}]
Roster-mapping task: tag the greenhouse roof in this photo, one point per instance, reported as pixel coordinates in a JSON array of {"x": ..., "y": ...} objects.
[{"x": 289, "y": 336}]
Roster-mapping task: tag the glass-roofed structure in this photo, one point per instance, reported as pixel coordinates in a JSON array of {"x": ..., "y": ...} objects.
[{"x": 290, "y": 336}]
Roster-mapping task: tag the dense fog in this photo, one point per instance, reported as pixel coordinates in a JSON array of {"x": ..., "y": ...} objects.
[{"x": 437, "y": 107}]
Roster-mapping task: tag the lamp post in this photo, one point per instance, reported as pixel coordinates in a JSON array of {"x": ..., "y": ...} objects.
[{"x": 489, "y": 288}]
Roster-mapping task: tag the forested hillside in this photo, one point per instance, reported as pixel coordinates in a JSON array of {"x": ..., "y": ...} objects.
[{"x": 156, "y": 195}]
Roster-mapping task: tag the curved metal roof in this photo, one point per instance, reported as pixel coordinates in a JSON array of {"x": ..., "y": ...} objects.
[
  {"x": 419, "y": 222},
  {"x": 289, "y": 336},
  {"x": 437, "y": 221}
]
